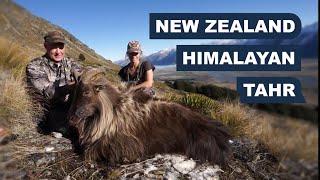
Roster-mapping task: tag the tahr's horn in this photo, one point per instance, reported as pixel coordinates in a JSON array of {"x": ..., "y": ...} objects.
[{"x": 90, "y": 74}]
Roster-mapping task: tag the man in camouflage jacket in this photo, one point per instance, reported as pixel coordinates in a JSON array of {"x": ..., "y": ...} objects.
[{"x": 51, "y": 77}]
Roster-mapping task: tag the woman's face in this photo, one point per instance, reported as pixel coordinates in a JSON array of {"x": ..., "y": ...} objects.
[{"x": 134, "y": 57}]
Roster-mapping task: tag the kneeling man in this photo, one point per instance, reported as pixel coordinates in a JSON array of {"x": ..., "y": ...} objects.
[{"x": 51, "y": 77}]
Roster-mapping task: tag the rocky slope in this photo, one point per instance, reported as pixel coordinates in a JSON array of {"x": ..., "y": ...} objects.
[{"x": 49, "y": 157}]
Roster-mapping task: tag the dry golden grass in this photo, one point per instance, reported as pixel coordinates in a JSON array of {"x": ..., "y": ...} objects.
[
  {"x": 12, "y": 58},
  {"x": 17, "y": 110},
  {"x": 285, "y": 137},
  {"x": 234, "y": 116},
  {"x": 16, "y": 107}
]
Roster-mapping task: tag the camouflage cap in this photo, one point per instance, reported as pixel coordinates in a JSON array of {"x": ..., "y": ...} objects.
[
  {"x": 133, "y": 46},
  {"x": 54, "y": 37}
]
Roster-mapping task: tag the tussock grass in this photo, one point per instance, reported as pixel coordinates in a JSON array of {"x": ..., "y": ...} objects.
[
  {"x": 16, "y": 106},
  {"x": 200, "y": 102},
  {"x": 12, "y": 58},
  {"x": 235, "y": 116},
  {"x": 197, "y": 102},
  {"x": 17, "y": 110},
  {"x": 285, "y": 137}
]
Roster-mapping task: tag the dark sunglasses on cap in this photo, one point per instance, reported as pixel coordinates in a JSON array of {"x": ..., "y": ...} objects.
[{"x": 133, "y": 54}]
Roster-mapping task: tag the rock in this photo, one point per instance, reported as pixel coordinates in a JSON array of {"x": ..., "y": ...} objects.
[
  {"x": 185, "y": 166},
  {"x": 171, "y": 175},
  {"x": 175, "y": 158},
  {"x": 6, "y": 136},
  {"x": 48, "y": 173},
  {"x": 41, "y": 161},
  {"x": 205, "y": 172},
  {"x": 171, "y": 167},
  {"x": 54, "y": 142},
  {"x": 91, "y": 165},
  {"x": 158, "y": 156},
  {"x": 136, "y": 176},
  {"x": 238, "y": 170},
  {"x": 150, "y": 168},
  {"x": 56, "y": 135},
  {"x": 48, "y": 148}
]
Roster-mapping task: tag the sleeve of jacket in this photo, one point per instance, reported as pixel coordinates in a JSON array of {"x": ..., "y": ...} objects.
[{"x": 37, "y": 79}]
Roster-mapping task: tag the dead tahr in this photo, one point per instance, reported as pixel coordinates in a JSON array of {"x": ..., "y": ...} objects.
[{"x": 113, "y": 125}]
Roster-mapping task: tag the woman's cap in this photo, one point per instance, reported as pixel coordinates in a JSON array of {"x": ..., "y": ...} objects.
[{"x": 133, "y": 46}]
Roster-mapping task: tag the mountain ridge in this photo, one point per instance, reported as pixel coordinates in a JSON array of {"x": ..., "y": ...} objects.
[
  {"x": 20, "y": 26},
  {"x": 308, "y": 39}
]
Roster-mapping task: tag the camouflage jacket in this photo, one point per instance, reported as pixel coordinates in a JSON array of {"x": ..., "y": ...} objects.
[{"x": 48, "y": 78}]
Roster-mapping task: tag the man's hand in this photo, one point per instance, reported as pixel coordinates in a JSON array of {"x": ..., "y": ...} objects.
[
  {"x": 64, "y": 90},
  {"x": 70, "y": 86},
  {"x": 71, "y": 83},
  {"x": 76, "y": 75}
]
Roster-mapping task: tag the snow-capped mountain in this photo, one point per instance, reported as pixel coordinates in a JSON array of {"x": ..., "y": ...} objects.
[
  {"x": 308, "y": 40},
  {"x": 163, "y": 57}
]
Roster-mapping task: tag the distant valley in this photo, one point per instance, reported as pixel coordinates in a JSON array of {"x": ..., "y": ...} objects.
[{"x": 308, "y": 77}]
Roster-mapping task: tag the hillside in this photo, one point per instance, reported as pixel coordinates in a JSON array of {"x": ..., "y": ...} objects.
[{"x": 20, "y": 26}]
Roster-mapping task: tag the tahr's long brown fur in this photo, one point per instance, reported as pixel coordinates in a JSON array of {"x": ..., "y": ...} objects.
[{"x": 114, "y": 125}]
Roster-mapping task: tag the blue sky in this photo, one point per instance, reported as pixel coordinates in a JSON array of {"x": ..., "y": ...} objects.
[{"x": 107, "y": 26}]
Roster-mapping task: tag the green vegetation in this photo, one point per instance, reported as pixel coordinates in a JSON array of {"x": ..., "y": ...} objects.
[
  {"x": 230, "y": 114},
  {"x": 198, "y": 102},
  {"x": 225, "y": 94},
  {"x": 81, "y": 57},
  {"x": 210, "y": 90}
]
